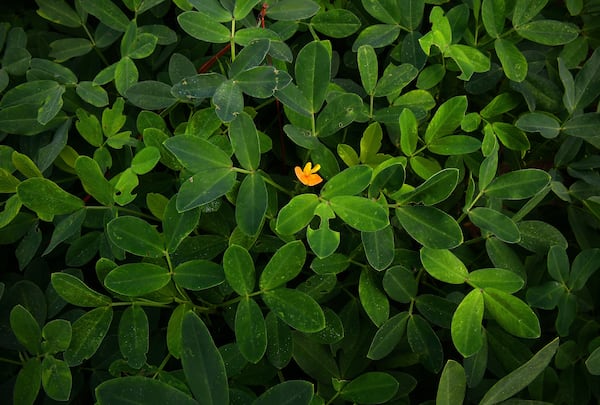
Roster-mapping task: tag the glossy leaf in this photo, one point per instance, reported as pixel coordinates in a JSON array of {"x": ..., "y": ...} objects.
[
  {"x": 360, "y": 213},
  {"x": 202, "y": 363},
  {"x": 518, "y": 184},
  {"x": 495, "y": 222},
  {"x": 513, "y": 62},
  {"x": 467, "y": 333},
  {"x": 351, "y": 181},
  {"x": 136, "y": 236},
  {"x": 492, "y": 15},
  {"x": 511, "y": 313},
  {"x": 453, "y": 384},
  {"x": 434, "y": 190},
  {"x": 446, "y": 119},
  {"x": 283, "y": 266},
  {"x": 538, "y": 236},
  {"x": 400, "y": 284},
  {"x": 520, "y": 378},
  {"x": 296, "y": 214},
  {"x": 444, "y": 265},
  {"x": 136, "y": 279},
  {"x": 295, "y": 308},
  {"x": 178, "y": 225},
  {"x": 430, "y": 226},
  {"x": 500, "y": 279},
  {"x": 279, "y": 341}
]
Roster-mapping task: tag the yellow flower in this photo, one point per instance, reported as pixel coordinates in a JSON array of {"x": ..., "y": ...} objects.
[{"x": 308, "y": 176}]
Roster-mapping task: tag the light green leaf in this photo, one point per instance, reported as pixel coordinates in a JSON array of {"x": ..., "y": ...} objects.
[
  {"x": 470, "y": 60},
  {"x": 296, "y": 214},
  {"x": 511, "y": 313},
  {"x": 435, "y": 189},
  {"x": 453, "y": 384},
  {"x": 376, "y": 36},
  {"x": 409, "y": 131},
  {"x": 107, "y": 12},
  {"x": 348, "y": 182},
  {"x": 444, "y": 265},
  {"x": 360, "y": 213},
  {"x": 59, "y": 12},
  {"x": 197, "y": 154},
  {"x": 291, "y": 10},
  {"x": 525, "y": 10},
  {"x": 394, "y": 79},
  {"x": 500, "y": 279},
  {"x": 447, "y": 118},
  {"x": 243, "y": 7},
  {"x": 64, "y": 49},
  {"x": 467, "y": 334},
  {"x": 492, "y": 14},
  {"x": 513, "y": 62},
  {"x": 239, "y": 269},
  {"x": 56, "y": 378},
  {"x": 46, "y": 198},
  {"x": 244, "y": 140},
  {"x": 93, "y": 180},
  {"x": 26, "y": 329}
]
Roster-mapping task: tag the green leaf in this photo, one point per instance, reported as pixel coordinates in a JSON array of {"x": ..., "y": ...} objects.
[
  {"x": 202, "y": 363},
  {"x": 409, "y": 132},
  {"x": 56, "y": 378},
  {"x": 435, "y": 189},
  {"x": 89, "y": 127},
  {"x": 140, "y": 390},
  {"x": 511, "y": 136},
  {"x": 296, "y": 392},
  {"x": 262, "y": 81},
  {"x": 373, "y": 300},
  {"x": 518, "y": 184},
  {"x": 495, "y": 222},
  {"x": 511, "y": 313},
  {"x": 351, "y": 181},
  {"x": 126, "y": 75},
  {"x": 249, "y": 57},
  {"x": 558, "y": 263},
  {"x": 446, "y": 119},
  {"x": 592, "y": 363},
  {"x": 546, "y": 124},
  {"x": 388, "y": 176},
  {"x": 492, "y": 14},
  {"x": 136, "y": 236},
  {"x": 243, "y": 7},
  {"x": 539, "y": 237},
  {"x": 376, "y": 36},
  {"x": 250, "y": 330},
  {"x": 425, "y": 343},
  {"x": 296, "y": 214},
  {"x": 584, "y": 266},
  {"x": 64, "y": 49},
  {"x": 228, "y": 101},
  {"x": 470, "y": 60},
  {"x": 295, "y": 308},
  {"x": 454, "y": 145},
  {"x": 525, "y": 10},
  {"x": 93, "y": 180},
  {"x": 453, "y": 384},
  {"x": 197, "y": 154},
  {"x": 548, "y": 32},
  {"x": 197, "y": 87},
  {"x": 586, "y": 83},
  {"x": 76, "y": 292},
  {"x": 394, "y": 79},
  {"x": 379, "y": 247},
  {"x": 430, "y": 226},
  {"x": 26, "y": 329},
  {"x": 150, "y": 95},
  {"x": 27, "y": 383},
  {"x": 239, "y": 269},
  {"x": 444, "y": 265},
  {"x": 58, "y": 12},
  {"x": 313, "y": 71},
  {"x": 205, "y": 187},
  {"x": 360, "y": 213},
  {"x": 388, "y": 336},
  {"x": 582, "y": 126},
  {"x": 25, "y": 165},
  {"x": 513, "y": 62},
  {"x": 467, "y": 334},
  {"x": 178, "y": 225},
  {"x": 107, "y": 12},
  {"x": 500, "y": 279},
  {"x": 213, "y": 9},
  {"x": 338, "y": 113},
  {"x": 283, "y": 266},
  {"x": 291, "y": 10},
  {"x": 92, "y": 93},
  {"x": 89, "y": 331},
  {"x": 198, "y": 274},
  {"x": 244, "y": 140},
  {"x": 57, "y": 336},
  {"x": 55, "y": 200},
  {"x": 203, "y": 27},
  {"x": 279, "y": 341},
  {"x": 134, "y": 336},
  {"x": 520, "y": 378},
  {"x": 410, "y": 13},
  {"x": 373, "y": 387},
  {"x": 137, "y": 279},
  {"x": 400, "y": 285},
  {"x": 336, "y": 23},
  {"x": 383, "y": 10}
]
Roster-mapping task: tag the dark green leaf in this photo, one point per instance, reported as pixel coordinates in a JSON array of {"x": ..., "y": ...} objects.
[
  {"x": 336, "y": 23},
  {"x": 313, "y": 71},
  {"x": 360, "y": 213},
  {"x": 250, "y": 330},
  {"x": 400, "y": 284},
  {"x": 372, "y": 299},
  {"x": 136, "y": 279},
  {"x": 65, "y": 49},
  {"x": 76, "y": 292},
  {"x": 373, "y": 387},
  {"x": 430, "y": 226},
  {"x": 520, "y": 378},
  {"x": 56, "y": 378},
  {"x": 107, "y": 12},
  {"x": 295, "y": 308},
  {"x": 454, "y": 145},
  {"x": 388, "y": 336},
  {"x": 198, "y": 274},
  {"x": 283, "y": 266},
  {"x": 585, "y": 264},
  {"x": 394, "y": 79},
  {"x": 291, "y": 392},
  {"x": 279, "y": 341},
  {"x": 150, "y": 95},
  {"x": 239, "y": 269},
  {"x": 140, "y": 390},
  {"x": 26, "y": 329},
  {"x": 58, "y": 12},
  {"x": 202, "y": 363},
  {"x": 203, "y": 27},
  {"x": 251, "y": 204},
  {"x": 518, "y": 185},
  {"x": 244, "y": 140},
  {"x": 338, "y": 113},
  {"x": 500, "y": 279},
  {"x": 178, "y": 225},
  {"x": 136, "y": 236},
  {"x": 495, "y": 222},
  {"x": 228, "y": 101},
  {"x": 539, "y": 237},
  {"x": 134, "y": 336},
  {"x": 198, "y": 86},
  {"x": 424, "y": 342},
  {"x": 453, "y": 384},
  {"x": 27, "y": 383},
  {"x": 545, "y": 124},
  {"x": 548, "y": 32},
  {"x": 379, "y": 247},
  {"x": 290, "y": 10},
  {"x": 204, "y": 187}
]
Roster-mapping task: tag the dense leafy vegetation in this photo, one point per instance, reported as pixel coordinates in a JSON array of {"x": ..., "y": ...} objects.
[{"x": 299, "y": 201}]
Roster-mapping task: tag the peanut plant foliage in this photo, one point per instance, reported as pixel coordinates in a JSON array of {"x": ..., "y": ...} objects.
[{"x": 299, "y": 201}]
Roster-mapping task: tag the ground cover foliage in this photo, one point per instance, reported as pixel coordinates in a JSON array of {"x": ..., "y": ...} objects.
[{"x": 164, "y": 240}]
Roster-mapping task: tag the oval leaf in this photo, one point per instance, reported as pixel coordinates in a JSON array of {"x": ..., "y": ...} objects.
[
  {"x": 136, "y": 236},
  {"x": 295, "y": 308},
  {"x": 430, "y": 226},
  {"x": 136, "y": 279}
]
